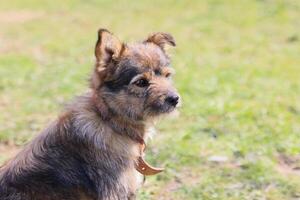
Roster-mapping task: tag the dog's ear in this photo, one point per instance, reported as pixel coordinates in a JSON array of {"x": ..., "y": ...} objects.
[
  {"x": 107, "y": 51},
  {"x": 161, "y": 39},
  {"x": 108, "y": 47}
]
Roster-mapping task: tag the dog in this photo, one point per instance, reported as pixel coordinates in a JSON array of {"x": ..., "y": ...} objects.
[{"x": 94, "y": 150}]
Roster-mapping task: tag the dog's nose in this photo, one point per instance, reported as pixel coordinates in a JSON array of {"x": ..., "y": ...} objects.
[{"x": 172, "y": 99}]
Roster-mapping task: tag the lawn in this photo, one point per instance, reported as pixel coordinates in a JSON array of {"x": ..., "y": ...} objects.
[{"x": 237, "y": 68}]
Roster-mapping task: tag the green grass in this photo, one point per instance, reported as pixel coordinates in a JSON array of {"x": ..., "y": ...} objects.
[{"x": 238, "y": 72}]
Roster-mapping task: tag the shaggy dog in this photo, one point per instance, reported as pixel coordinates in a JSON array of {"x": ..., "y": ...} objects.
[{"x": 94, "y": 150}]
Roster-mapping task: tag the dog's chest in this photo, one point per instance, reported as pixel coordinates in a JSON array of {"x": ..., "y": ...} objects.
[
  {"x": 129, "y": 180},
  {"x": 132, "y": 180}
]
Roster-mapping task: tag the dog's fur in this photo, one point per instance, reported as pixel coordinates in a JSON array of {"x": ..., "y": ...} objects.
[{"x": 91, "y": 150}]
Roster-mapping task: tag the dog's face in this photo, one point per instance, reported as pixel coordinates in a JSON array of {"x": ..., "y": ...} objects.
[{"x": 135, "y": 80}]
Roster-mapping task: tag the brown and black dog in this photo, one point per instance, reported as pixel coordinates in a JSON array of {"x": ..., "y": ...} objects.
[{"x": 93, "y": 150}]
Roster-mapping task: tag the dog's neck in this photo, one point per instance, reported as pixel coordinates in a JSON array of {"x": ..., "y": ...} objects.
[{"x": 133, "y": 129}]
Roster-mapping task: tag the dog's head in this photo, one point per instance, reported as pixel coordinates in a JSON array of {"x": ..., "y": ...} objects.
[{"x": 134, "y": 80}]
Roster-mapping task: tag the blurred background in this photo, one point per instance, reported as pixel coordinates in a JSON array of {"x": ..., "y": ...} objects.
[{"x": 238, "y": 71}]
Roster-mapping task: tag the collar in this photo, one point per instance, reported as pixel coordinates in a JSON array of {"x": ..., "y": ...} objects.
[{"x": 142, "y": 166}]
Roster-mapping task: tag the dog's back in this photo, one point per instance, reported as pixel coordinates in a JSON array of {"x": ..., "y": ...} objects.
[
  {"x": 50, "y": 167},
  {"x": 72, "y": 159}
]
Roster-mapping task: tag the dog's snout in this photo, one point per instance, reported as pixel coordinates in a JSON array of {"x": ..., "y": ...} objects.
[{"x": 172, "y": 99}]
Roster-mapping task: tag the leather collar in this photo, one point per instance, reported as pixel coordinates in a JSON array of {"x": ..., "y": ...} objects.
[{"x": 142, "y": 166}]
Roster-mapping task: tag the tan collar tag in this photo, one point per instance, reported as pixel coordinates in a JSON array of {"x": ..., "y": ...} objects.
[
  {"x": 143, "y": 167},
  {"x": 146, "y": 169}
]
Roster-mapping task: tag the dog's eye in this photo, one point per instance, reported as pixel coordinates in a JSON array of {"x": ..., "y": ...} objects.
[
  {"x": 168, "y": 75},
  {"x": 142, "y": 83}
]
